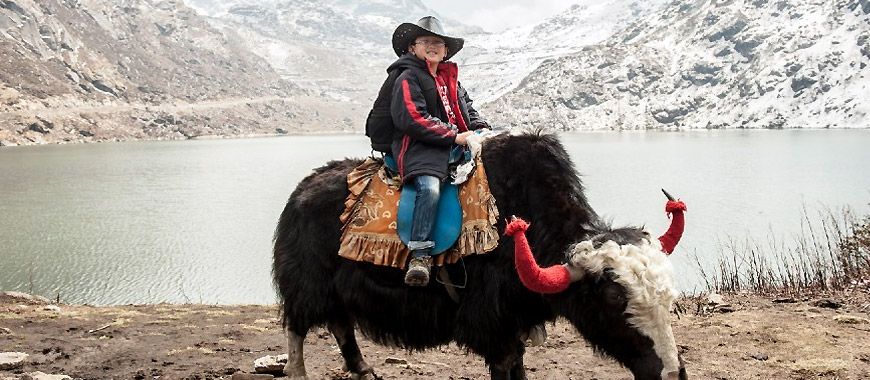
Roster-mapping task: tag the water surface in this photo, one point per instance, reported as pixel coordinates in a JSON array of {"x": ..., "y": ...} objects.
[{"x": 192, "y": 221}]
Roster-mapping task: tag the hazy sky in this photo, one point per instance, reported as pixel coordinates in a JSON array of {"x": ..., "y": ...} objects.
[{"x": 496, "y": 15}]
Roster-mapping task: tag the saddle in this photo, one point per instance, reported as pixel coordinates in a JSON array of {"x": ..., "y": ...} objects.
[
  {"x": 379, "y": 209},
  {"x": 448, "y": 216}
]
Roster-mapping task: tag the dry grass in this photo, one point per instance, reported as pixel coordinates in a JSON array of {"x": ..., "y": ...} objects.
[{"x": 831, "y": 254}]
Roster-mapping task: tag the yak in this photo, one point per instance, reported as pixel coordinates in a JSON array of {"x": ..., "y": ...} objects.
[{"x": 531, "y": 176}]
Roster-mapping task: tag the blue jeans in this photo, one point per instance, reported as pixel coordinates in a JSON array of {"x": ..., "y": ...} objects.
[{"x": 425, "y": 207}]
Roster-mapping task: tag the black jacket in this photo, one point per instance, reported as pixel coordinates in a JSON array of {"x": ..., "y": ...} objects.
[{"x": 424, "y": 135}]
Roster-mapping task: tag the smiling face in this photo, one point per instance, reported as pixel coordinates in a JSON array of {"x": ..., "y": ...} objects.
[{"x": 429, "y": 48}]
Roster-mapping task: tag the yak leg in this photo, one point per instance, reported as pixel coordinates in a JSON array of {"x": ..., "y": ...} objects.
[
  {"x": 509, "y": 367},
  {"x": 342, "y": 330},
  {"x": 518, "y": 371},
  {"x": 295, "y": 367}
]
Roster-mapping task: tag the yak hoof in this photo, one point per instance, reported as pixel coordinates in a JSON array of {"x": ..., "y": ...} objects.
[
  {"x": 364, "y": 376},
  {"x": 295, "y": 373},
  {"x": 367, "y": 373}
]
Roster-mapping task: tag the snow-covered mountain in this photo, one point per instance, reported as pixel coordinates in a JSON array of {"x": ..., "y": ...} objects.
[
  {"x": 710, "y": 64},
  {"x": 82, "y": 70},
  {"x": 338, "y": 49},
  {"x": 495, "y": 63}
]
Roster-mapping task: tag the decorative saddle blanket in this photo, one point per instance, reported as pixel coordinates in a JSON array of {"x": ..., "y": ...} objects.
[{"x": 370, "y": 228}]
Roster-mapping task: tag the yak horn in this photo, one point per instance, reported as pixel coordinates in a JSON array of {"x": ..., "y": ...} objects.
[
  {"x": 548, "y": 280},
  {"x": 674, "y": 208}
]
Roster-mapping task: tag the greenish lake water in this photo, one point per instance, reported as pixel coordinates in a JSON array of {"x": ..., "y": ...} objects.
[{"x": 192, "y": 221}]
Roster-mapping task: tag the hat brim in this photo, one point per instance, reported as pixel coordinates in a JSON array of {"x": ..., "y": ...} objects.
[{"x": 408, "y": 32}]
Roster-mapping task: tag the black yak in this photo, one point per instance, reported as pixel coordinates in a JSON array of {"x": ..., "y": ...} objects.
[{"x": 531, "y": 176}]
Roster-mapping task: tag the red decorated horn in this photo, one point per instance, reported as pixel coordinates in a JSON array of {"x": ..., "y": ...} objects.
[
  {"x": 675, "y": 209},
  {"x": 548, "y": 280}
]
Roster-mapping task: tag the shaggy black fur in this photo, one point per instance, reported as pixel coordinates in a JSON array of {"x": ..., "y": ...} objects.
[{"x": 531, "y": 176}]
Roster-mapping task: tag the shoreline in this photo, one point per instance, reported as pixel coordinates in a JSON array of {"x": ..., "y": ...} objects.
[{"x": 361, "y": 132}]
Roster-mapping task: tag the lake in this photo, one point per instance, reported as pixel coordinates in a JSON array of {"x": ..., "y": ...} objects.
[{"x": 192, "y": 221}]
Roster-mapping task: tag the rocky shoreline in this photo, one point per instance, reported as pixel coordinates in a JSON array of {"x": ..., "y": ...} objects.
[
  {"x": 225, "y": 118},
  {"x": 733, "y": 336}
]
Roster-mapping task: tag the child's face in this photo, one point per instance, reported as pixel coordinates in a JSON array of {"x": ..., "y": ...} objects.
[{"x": 429, "y": 48}]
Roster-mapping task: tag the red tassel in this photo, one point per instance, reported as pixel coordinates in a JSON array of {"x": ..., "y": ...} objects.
[{"x": 549, "y": 280}]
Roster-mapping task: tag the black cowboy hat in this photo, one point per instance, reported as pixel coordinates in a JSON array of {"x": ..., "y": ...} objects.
[{"x": 407, "y": 33}]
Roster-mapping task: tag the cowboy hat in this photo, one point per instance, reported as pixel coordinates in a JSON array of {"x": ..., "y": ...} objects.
[{"x": 407, "y": 33}]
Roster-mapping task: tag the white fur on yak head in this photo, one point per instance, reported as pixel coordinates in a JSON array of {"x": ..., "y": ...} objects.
[{"x": 621, "y": 299}]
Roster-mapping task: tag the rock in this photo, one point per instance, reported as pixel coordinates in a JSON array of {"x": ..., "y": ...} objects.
[
  {"x": 12, "y": 360},
  {"x": 5, "y": 331},
  {"x": 725, "y": 308},
  {"x": 270, "y": 364},
  {"x": 728, "y": 32},
  {"x": 851, "y": 320},
  {"x": 73, "y": 76},
  {"x": 251, "y": 376},
  {"x": 395, "y": 361},
  {"x": 18, "y": 297},
  {"x": 827, "y": 303},
  {"x": 802, "y": 82},
  {"x": 38, "y": 127},
  {"x": 715, "y": 299},
  {"x": 53, "y": 308},
  {"x": 43, "y": 376},
  {"x": 759, "y": 356},
  {"x": 102, "y": 86},
  {"x": 785, "y": 300}
]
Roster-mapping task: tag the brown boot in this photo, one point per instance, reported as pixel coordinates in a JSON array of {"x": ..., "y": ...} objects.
[{"x": 418, "y": 271}]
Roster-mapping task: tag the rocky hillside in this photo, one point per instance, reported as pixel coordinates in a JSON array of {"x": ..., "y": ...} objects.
[
  {"x": 710, "y": 64},
  {"x": 83, "y": 70}
]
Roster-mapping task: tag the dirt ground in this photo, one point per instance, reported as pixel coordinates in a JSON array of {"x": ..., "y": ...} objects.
[{"x": 751, "y": 338}]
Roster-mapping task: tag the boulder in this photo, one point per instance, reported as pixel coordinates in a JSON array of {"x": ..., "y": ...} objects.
[
  {"x": 270, "y": 364},
  {"x": 43, "y": 376},
  {"x": 12, "y": 360}
]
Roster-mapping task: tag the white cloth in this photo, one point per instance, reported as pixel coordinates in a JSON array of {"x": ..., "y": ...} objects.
[{"x": 475, "y": 144}]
